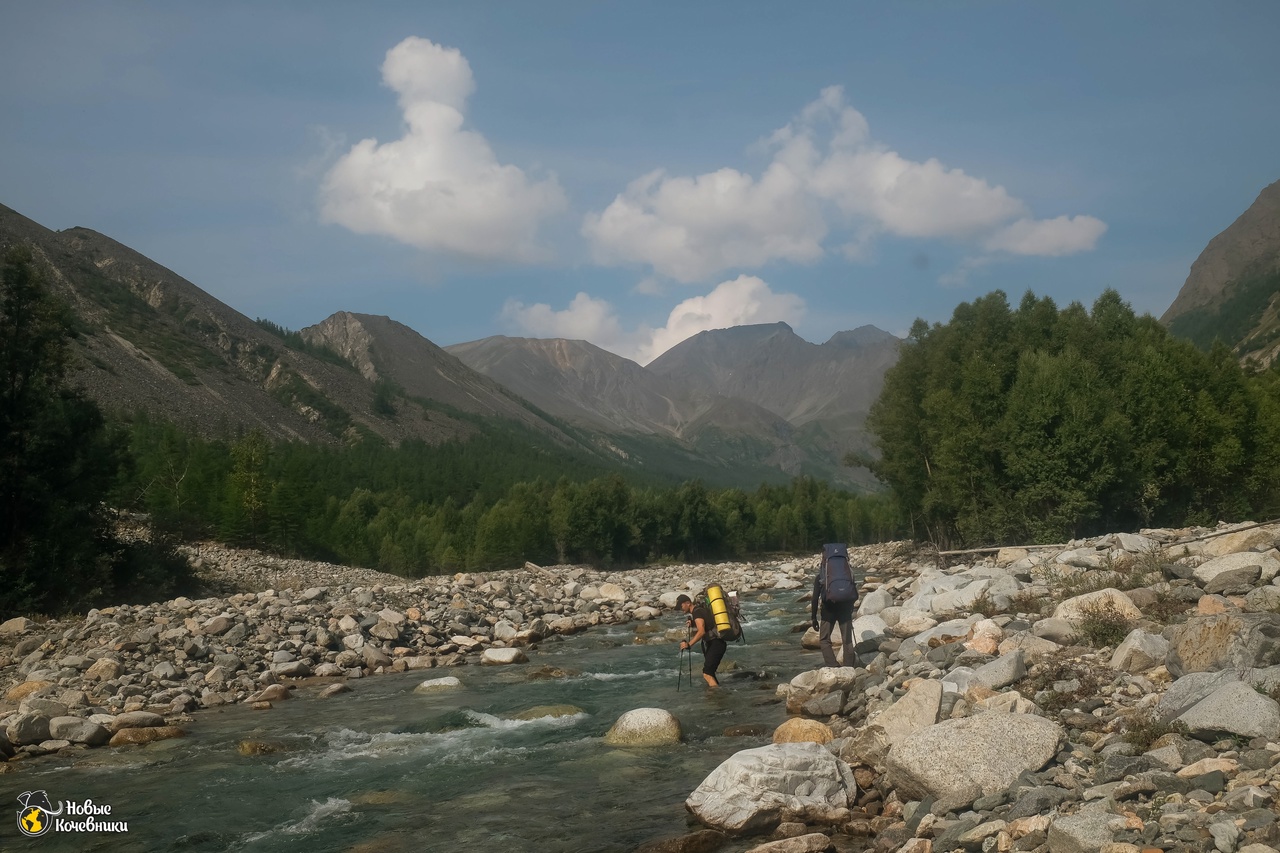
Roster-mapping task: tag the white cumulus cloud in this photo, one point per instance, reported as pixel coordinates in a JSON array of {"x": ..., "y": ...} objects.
[
  {"x": 440, "y": 186},
  {"x": 740, "y": 301},
  {"x": 743, "y": 301},
  {"x": 586, "y": 319},
  {"x": 827, "y": 174},
  {"x": 1061, "y": 236},
  {"x": 691, "y": 228}
]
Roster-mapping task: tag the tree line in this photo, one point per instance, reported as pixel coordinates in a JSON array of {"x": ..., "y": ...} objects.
[
  {"x": 1037, "y": 424},
  {"x": 494, "y": 501},
  {"x": 421, "y": 509},
  {"x": 1001, "y": 426}
]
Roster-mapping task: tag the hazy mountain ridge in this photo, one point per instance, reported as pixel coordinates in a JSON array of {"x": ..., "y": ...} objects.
[
  {"x": 754, "y": 393},
  {"x": 381, "y": 348},
  {"x": 1232, "y": 292}
]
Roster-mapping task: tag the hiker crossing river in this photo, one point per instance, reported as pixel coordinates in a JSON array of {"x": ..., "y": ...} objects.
[{"x": 509, "y": 756}]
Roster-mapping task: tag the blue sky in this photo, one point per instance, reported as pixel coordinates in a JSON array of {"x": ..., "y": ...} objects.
[{"x": 632, "y": 173}]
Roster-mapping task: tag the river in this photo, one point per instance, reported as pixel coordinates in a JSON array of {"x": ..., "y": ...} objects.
[{"x": 384, "y": 769}]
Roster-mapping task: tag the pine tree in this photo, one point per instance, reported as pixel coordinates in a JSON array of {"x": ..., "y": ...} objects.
[{"x": 57, "y": 458}]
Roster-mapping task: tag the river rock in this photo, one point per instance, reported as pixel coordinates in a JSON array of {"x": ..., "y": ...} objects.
[
  {"x": 755, "y": 789},
  {"x": 875, "y": 602},
  {"x": 104, "y": 670},
  {"x": 15, "y": 626},
  {"x": 1002, "y": 671},
  {"x": 810, "y": 842},
  {"x": 917, "y": 710},
  {"x": 1224, "y": 641},
  {"x": 502, "y": 657},
  {"x": 27, "y": 728},
  {"x": 801, "y": 730},
  {"x": 135, "y": 720},
  {"x": 958, "y": 761},
  {"x": 1085, "y": 832},
  {"x": 1241, "y": 540},
  {"x": 612, "y": 592},
  {"x": 1033, "y": 648},
  {"x": 1235, "y": 708},
  {"x": 439, "y": 685},
  {"x": 271, "y": 693},
  {"x": 78, "y": 730},
  {"x": 1140, "y": 651},
  {"x": 644, "y": 727},
  {"x": 24, "y": 689},
  {"x": 702, "y": 841},
  {"x": 126, "y": 737}
]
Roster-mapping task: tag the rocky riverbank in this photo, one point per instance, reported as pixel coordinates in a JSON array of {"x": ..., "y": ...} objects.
[
  {"x": 131, "y": 674},
  {"x": 1117, "y": 694}
]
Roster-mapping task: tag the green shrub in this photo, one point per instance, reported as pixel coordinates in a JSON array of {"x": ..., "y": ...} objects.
[
  {"x": 1101, "y": 624},
  {"x": 1144, "y": 730}
]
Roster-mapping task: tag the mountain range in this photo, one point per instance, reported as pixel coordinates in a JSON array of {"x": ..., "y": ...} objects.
[{"x": 734, "y": 406}]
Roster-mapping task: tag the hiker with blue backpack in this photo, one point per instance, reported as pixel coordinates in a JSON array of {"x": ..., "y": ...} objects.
[{"x": 836, "y": 595}]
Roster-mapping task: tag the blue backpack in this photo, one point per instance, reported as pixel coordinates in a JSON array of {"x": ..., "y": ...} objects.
[{"x": 837, "y": 577}]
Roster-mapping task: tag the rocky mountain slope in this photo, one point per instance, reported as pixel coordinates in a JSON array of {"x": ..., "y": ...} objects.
[
  {"x": 1232, "y": 290},
  {"x": 155, "y": 342},
  {"x": 151, "y": 340},
  {"x": 382, "y": 349},
  {"x": 822, "y": 390},
  {"x": 588, "y": 386},
  {"x": 582, "y": 383}
]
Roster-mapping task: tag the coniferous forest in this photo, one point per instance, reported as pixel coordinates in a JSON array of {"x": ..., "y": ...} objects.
[
  {"x": 1039, "y": 425},
  {"x": 1002, "y": 426},
  {"x": 490, "y": 502}
]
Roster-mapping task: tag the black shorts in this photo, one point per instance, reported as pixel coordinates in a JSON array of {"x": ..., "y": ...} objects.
[{"x": 713, "y": 649}]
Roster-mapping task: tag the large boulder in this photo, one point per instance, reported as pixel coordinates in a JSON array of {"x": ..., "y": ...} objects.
[
  {"x": 1235, "y": 708},
  {"x": 1241, "y": 540},
  {"x": 1225, "y": 641},
  {"x": 755, "y": 789},
  {"x": 1263, "y": 567},
  {"x": 958, "y": 761},
  {"x": 875, "y": 602},
  {"x": 644, "y": 727},
  {"x": 1076, "y": 609},
  {"x": 78, "y": 730}
]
